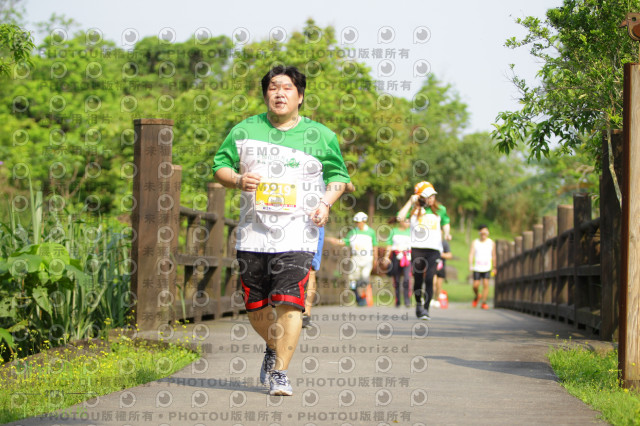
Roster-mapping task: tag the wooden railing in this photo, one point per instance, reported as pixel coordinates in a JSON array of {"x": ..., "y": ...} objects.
[
  {"x": 171, "y": 281},
  {"x": 568, "y": 267},
  {"x": 554, "y": 274}
]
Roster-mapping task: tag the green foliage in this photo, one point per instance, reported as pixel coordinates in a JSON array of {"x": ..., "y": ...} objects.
[
  {"x": 594, "y": 379},
  {"x": 69, "y": 118},
  {"x": 16, "y": 44},
  {"x": 62, "y": 279},
  {"x": 15, "y": 48},
  {"x": 580, "y": 95}
]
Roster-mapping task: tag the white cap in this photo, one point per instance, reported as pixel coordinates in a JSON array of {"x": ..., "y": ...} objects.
[
  {"x": 360, "y": 217},
  {"x": 428, "y": 192}
]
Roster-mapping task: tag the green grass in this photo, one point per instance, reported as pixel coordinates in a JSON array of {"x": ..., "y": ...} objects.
[
  {"x": 463, "y": 292},
  {"x": 594, "y": 379},
  {"x": 62, "y": 377},
  {"x": 460, "y": 251}
]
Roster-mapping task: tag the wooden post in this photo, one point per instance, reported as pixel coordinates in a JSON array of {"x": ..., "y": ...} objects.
[
  {"x": 536, "y": 270},
  {"x": 193, "y": 271},
  {"x": 581, "y": 215},
  {"x": 527, "y": 257},
  {"x": 152, "y": 150},
  {"x": 629, "y": 347},
  {"x": 549, "y": 232},
  {"x": 527, "y": 245},
  {"x": 537, "y": 242},
  {"x": 513, "y": 293},
  {"x": 500, "y": 273},
  {"x": 565, "y": 223},
  {"x": 215, "y": 245},
  {"x": 174, "y": 225},
  {"x": 610, "y": 228},
  {"x": 519, "y": 286}
]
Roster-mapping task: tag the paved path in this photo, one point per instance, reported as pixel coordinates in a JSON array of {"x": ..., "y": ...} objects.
[{"x": 362, "y": 366}]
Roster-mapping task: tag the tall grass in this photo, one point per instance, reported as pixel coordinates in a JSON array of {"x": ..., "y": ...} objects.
[{"x": 64, "y": 275}]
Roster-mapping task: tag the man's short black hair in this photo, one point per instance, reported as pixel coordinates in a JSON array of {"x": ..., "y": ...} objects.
[
  {"x": 298, "y": 79},
  {"x": 482, "y": 226}
]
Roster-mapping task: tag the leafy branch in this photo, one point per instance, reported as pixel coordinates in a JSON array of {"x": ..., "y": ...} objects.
[{"x": 15, "y": 47}]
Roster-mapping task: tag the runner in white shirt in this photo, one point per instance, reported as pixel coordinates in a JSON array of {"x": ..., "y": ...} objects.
[{"x": 482, "y": 262}]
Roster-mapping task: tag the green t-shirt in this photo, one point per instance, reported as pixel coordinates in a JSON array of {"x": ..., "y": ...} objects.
[
  {"x": 361, "y": 242},
  {"x": 295, "y": 166},
  {"x": 308, "y": 138},
  {"x": 400, "y": 239},
  {"x": 444, "y": 217}
]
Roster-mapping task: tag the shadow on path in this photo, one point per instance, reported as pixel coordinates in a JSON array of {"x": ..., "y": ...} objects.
[{"x": 532, "y": 369}]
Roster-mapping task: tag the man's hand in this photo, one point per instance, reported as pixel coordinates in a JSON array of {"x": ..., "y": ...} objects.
[
  {"x": 230, "y": 179},
  {"x": 248, "y": 182},
  {"x": 320, "y": 216}
]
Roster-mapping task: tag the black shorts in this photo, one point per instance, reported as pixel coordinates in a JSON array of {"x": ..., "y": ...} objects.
[
  {"x": 441, "y": 273},
  {"x": 481, "y": 275},
  {"x": 274, "y": 278}
]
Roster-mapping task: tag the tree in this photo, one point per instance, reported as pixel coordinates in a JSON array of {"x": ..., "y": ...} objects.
[
  {"x": 16, "y": 44},
  {"x": 15, "y": 47},
  {"x": 580, "y": 95},
  {"x": 438, "y": 118}
]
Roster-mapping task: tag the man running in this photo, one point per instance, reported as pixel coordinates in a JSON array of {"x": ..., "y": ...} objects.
[{"x": 290, "y": 171}]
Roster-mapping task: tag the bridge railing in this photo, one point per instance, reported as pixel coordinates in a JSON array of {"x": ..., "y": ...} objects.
[
  {"x": 554, "y": 274},
  {"x": 568, "y": 267}
]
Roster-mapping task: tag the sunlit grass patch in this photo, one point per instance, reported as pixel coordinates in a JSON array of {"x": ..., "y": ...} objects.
[
  {"x": 65, "y": 376},
  {"x": 594, "y": 379}
]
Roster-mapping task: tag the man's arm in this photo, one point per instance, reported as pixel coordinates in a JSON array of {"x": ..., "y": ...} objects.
[
  {"x": 336, "y": 241},
  {"x": 228, "y": 178},
  {"x": 332, "y": 193}
]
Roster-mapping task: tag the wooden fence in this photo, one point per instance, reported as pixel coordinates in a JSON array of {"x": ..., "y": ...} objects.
[
  {"x": 568, "y": 267},
  {"x": 198, "y": 278}
]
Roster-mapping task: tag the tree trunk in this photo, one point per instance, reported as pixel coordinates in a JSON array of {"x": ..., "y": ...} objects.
[
  {"x": 469, "y": 226},
  {"x": 372, "y": 207}
]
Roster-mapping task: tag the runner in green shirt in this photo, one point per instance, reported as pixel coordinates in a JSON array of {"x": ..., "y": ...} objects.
[{"x": 290, "y": 171}]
